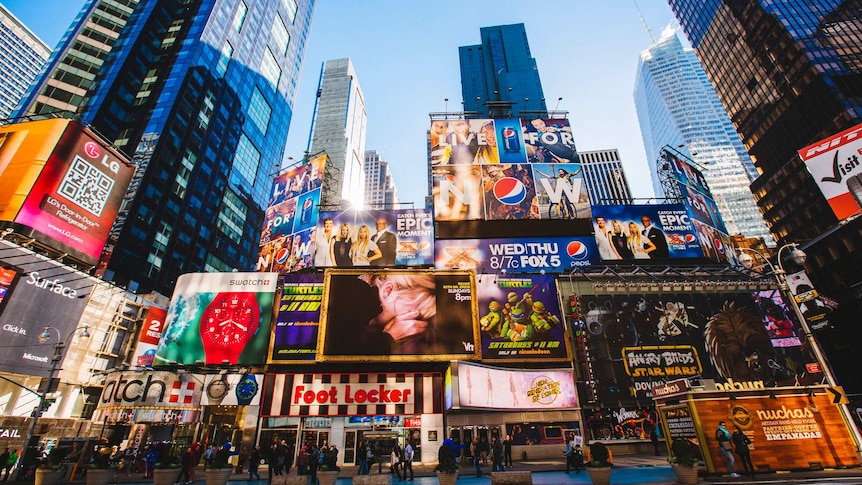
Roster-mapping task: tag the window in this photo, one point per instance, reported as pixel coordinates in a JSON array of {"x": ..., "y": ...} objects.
[
  {"x": 290, "y": 9},
  {"x": 215, "y": 265},
  {"x": 181, "y": 181},
  {"x": 259, "y": 111},
  {"x": 280, "y": 36},
  {"x": 239, "y": 16},
  {"x": 160, "y": 243},
  {"x": 231, "y": 216},
  {"x": 245, "y": 163},
  {"x": 224, "y": 59},
  {"x": 269, "y": 69}
]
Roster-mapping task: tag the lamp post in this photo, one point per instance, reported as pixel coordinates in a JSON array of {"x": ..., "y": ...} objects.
[
  {"x": 798, "y": 256},
  {"x": 44, "y": 337}
]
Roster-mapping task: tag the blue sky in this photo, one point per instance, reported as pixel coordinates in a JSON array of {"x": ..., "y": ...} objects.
[{"x": 406, "y": 57}]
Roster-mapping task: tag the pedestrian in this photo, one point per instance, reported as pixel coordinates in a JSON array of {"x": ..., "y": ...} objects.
[
  {"x": 570, "y": 455},
  {"x": 408, "y": 461},
  {"x": 507, "y": 451},
  {"x": 302, "y": 461},
  {"x": 722, "y": 435},
  {"x": 362, "y": 454},
  {"x": 10, "y": 463},
  {"x": 314, "y": 457},
  {"x": 474, "y": 448},
  {"x": 497, "y": 455},
  {"x": 254, "y": 463},
  {"x": 241, "y": 459},
  {"x": 741, "y": 444},
  {"x": 187, "y": 462},
  {"x": 150, "y": 459},
  {"x": 653, "y": 437},
  {"x": 394, "y": 459},
  {"x": 288, "y": 459}
]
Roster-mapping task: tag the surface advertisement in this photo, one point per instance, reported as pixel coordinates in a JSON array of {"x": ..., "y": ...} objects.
[
  {"x": 834, "y": 165},
  {"x": 638, "y": 342},
  {"x": 8, "y": 278},
  {"x": 506, "y": 169},
  {"x": 549, "y": 254},
  {"x": 46, "y": 293},
  {"x": 78, "y": 187},
  {"x": 399, "y": 315},
  {"x": 219, "y": 317},
  {"x": 481, "y": 386},
  {"x": 298, "y": 317},
  {"x": 377, "y": 238},
  {"x": 630, "y": 232},
  {"x": 520, "y": 319},
  {"x": 151, "y": 333},
  {"x": 287, "y": 240}
]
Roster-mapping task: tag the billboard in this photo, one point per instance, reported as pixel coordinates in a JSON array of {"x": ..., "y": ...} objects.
[
  {"x": 152, "y": 396},
  {"x": 63, "y": 183},
  {"x": 287, "y": 240},
  {"x": 834, "y": 165},
  {"x": 8, "y": 278},
  {"x": 520, "y": 319},
  {"x": 398, "y": 315},
  {"x": 537, "y": 254},
  {"x": 506, "y": 169},
  {"x": 630, "y": 232},
  {"x": 480, "y": 386},
  {"x": 232, "y": 390},
  {"x": 638, "y": 342},
  {"x": 148, "y": 340},
  {"x": 377, "y": 238},
  {"x": 297, "y": 320},
  {"x": 219, "y": 317},
  {"x": 46, "y": 293}
]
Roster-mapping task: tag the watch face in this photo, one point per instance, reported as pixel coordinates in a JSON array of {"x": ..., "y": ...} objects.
[
  {"x": 247, "y": 388},
  {"x": 217, "y": 389},
  {"x": 230, "y": 319}
]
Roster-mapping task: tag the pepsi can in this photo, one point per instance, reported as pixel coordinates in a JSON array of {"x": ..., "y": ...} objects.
[
  {"x": 305, "y": 217},
  {"x": 511, "y": 143}
]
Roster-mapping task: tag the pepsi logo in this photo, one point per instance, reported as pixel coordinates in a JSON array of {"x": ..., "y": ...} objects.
[
  {"x": 718, "y": 245},
  {"x": 92, "y": 149},
  {"x": 508, "y": 132},
  {"x": 577, "y": 250},
  {"x": 424, "y": 245},
  {"x": 510, "y": 191},
  {"x": 281, "y": 255},
  {"x": 689, "y": 238}
]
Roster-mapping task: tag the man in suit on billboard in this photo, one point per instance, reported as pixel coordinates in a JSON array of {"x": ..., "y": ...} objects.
[
  {"x": 655, "y": 236},
  {"x": 387, "y": 242}
]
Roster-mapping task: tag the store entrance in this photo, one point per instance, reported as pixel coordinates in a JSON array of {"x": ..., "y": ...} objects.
[{"x": 485, "y": 436}]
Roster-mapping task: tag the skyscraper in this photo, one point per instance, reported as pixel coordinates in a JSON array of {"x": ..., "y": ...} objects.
[
  {"x": 201, "y": 94},
  {"x": 73, "y": 65},
  {"x": 339, "y": 130},
  {"x": 380, "y": 190},
  {"x": 22, "y": 54},
  {"x": 500, "y": 74},
  {"x": 604, "y": 177},
  {"x": 788, "y": 74},
  {"x": 677, "y": 105}
]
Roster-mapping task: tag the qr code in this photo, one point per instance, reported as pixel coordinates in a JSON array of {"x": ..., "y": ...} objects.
[{"x": 86, "y": 186}]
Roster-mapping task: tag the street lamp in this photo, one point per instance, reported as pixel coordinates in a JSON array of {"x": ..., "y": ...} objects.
[
  {"x": 44, "y": 337},
  {"x": 798, "y": 256}
]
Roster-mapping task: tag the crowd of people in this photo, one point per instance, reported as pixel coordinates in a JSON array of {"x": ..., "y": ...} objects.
[
  {"x": 629, "y": 241},
  {"x": 349, "y": 248}
]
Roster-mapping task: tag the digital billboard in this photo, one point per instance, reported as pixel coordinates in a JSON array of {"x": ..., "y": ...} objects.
[
  {"x": 520, "y": 319},
  {"x": 637, "y": 342},
  {"x": 834, "y": 165},
  {"x": 537, "y": 254},
  {"x": 219, "y": 317},
  {"x": 8, "y": 278},
  {"x": 405, "y": 315},
  {"x": 377, "y": 238},
  {"x": 506, "y": 169},
  {"x": 630, "y": 232},
  {"x": 46, "y": 293},
  {"x": 63, "y": 183},
  {"x": 297, "y": 320},
  {"x": 481, "y": 386},
  {"x": 148, "y": 340},
  {"x": 287, "y": 240}
]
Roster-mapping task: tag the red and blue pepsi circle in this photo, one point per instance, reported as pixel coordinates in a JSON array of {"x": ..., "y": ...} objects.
[
  {"x": 576, "y": 250},
  {"x": 510, "y": 191}
]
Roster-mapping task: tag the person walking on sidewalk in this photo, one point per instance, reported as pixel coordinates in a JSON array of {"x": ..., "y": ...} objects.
[
  {"x": 740, "y": 443},
  {"x": 253, "y": 464},
  {"x": 408, "y": 461},
  {"x": 474, "y": 448},
  {"x": 507, "y": 451},
  {"x": 722, "y": 435}
]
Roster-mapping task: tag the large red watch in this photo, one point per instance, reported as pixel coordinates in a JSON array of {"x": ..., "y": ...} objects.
[{"x": 227, "y": 324}]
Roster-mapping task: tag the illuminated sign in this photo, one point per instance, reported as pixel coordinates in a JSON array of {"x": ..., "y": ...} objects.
[
  {"x": 834, "y": 165},
  {"x": 549, "y": 254},
  {"x": 151, "y": 333},
  {"x": 646, "y": 232},
  {"x": 295, "y": 336},
  {"x": 480, "y": 386},
  {"x": 164, "y": 389}
]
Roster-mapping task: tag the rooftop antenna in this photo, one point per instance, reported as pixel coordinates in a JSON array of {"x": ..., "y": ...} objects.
[{"x": 643, "y": 21}]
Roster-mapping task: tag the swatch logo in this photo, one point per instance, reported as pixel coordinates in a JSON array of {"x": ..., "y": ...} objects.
[
  {"x": 576, "y": 250},
  {"x": 510, "y": 191}
]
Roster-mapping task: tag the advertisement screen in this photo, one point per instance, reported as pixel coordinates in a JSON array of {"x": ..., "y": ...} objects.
[
  {"x": 287, "y": 240},
  {"x": 219, "y": 317},
  {"x": 298, "y": 317},
  {"x": 75, "y": 199},
  {"x": 8, "y": 278},
  {"x": 549, "y": 254},
  {"x": 632, "y": 232},
  {"x": 506, "y": 169},
  {"x": 481, "y": 386},
  {"x": 46, "y": 294},
  {"x": 376, "y": 238},
  {"x": 151, "y": 333},
  {"x": 834, "y": 165},
  {"x": 637, "y": 342},
  {"x": 520, "y": 319},
  {"x": 399, "y": 315}
]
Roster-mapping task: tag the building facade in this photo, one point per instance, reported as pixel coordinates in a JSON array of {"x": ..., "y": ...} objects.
[
  {"x": 677, "y": 105},
  {"x": 605, "y": 178},
  {"x": 205, "y": 112},
  {"x": 22, "y": 55},
  {"x": 380, "y": 190},
  {"x": 339, "y": 130},
  {"x": 72, "y": 67},
  {"x": 501, "y": 71},
  {"x": 792, "y": 79}
]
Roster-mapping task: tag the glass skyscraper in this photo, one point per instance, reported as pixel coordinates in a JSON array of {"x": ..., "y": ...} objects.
[
  {"x": 501, "y": 70},
  {"x": 200, "y": 94},
  {"x": 677, "y": 105},
  {"x": 22, "y": 55}
]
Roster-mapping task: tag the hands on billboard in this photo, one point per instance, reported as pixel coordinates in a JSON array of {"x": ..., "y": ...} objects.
[{"x": 405, "y": 325}]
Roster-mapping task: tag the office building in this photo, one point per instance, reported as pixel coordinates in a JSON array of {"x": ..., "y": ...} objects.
[
  {"x": 22, "y": 55},
  {"x": 499, "y": 77},
  {"x": 73, "y": 65},
  {"x": 788, "y": 74},
  {"x": 201, "y": 95},
  {"x": 339, "y": 130},
  {"x": 677, "y": 105},
  {"x": 380, "y": 190},
  {"x": 604, "y": 177}
]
